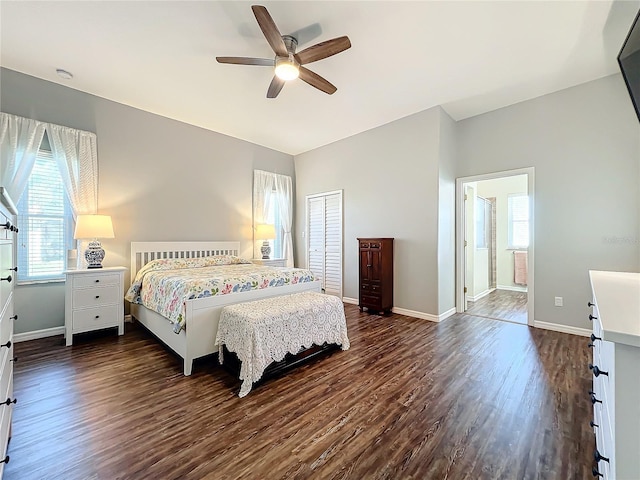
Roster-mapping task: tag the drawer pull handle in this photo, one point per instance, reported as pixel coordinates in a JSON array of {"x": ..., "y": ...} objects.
[
  {"x": 14, "y": 269},
  {"x": 591, "y": 424},
  {"x": 15, "y": 317},
  {"x": 6, "y": 279},
  {"x": 591, "y": 317},
  {"x": 7, "y": 226},
  {"x": 8, "y": 344},
  {"x": 598, "y": 457},
  {"x": 594, "y": 400},
  {"x": 97, "y": 316},
  {"x": 369, "y": 265},
  {"x": 6, "y": 459},
  {"x": 596, "y": 371},
  {"x": 97, "y": 280},
  {"x": 595, "y": 472},
  {"x": 8, "y": 401},
  {"x": 97, "y": 296},
  {"x": 14, "y": 359},
  {"x": 594, "y": 338},
  {"x": 589, "y": 304}
]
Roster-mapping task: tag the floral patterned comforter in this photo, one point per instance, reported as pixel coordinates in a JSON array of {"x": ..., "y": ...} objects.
[{"x": 165, "y": 285}]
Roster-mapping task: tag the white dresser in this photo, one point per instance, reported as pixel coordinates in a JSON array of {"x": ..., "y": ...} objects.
[
  {"x": 8, "y": 271},
  {"x": 94, "y": 299},
  {"x": 269, "y": 262},
  {"x": 616, "y": 374}
]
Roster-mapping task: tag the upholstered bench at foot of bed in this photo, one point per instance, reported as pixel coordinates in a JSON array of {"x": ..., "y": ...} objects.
[{"x": 265, "y": 331}]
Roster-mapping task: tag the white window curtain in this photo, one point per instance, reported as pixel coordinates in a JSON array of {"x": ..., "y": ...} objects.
[
  {"x": 20, "y": 140},
  {"x": 284, "y": 188},
  {"x": 267, "y": 188},
  {"x": 75, "y": 152}
]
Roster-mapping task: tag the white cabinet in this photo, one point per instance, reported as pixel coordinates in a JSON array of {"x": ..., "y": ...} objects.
[
  {"x": 616, "y": 373},
  {"x": 269, "y": 262},
  {"x": 94, "y": 299},
  {"x": 8, "y": 271}
]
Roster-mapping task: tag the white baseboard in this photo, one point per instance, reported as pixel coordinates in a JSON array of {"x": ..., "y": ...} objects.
[
  {"x": 513, "y": 289},
  {"x": 410, "y": 313},
  {"x": 47, "y": 332},
  {"x": 475, "y": 298},
  {"x": 556, "y": 327}
]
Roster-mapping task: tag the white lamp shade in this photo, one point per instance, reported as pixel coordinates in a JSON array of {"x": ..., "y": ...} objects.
[
  {"x": 93, "y": 226},
  {"x": 265, "y": 231}
]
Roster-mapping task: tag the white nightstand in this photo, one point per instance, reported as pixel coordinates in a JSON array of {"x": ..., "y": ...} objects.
[
  {"x": 94, "y": 299},
  {"x": 269, "y": 262}
]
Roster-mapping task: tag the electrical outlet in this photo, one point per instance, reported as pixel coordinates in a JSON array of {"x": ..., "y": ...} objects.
[{"x": 558, "y": 302}]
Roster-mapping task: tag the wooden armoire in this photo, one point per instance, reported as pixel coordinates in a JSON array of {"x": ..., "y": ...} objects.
[{"x": 376, "y": 274}]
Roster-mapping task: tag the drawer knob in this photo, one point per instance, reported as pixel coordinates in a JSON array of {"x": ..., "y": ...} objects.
[
  {"x": 594, "y": 338},
  {"x": 8, "y": 344},
  {"x": 7, "y": 226},
  {"x": 590, "y": 345},
  {"x": 15, "y": 317},
  {"x": 14, "y": 269},
  {"x": 97, "y": 280},
  {"x": 369, "y": 265},
  {"x": 97, "y": 296},
  {"x": 592, "y": 425},
  {"x": 6, "y": 459},
  {"x": 8, "y": 401},
  {"x": 596, "y": 371},
  {"x": 595, "y": 472},
  {"x": 589, "y": 304},
  {"x": 97, "y": 316},
  {"x": 14, "y": 359},
  {"x": 594, "y": 400},
  {"x": 6, "y": 279},
  {"x": 598, "y": 457},
  {"x": 591, "y": 317}
]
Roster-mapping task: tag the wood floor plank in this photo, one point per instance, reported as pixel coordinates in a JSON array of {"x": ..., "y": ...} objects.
[{"x": 468, "y": 398}]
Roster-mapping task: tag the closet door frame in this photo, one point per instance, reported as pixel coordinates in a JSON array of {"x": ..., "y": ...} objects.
[{"x": 307, "y": 236}]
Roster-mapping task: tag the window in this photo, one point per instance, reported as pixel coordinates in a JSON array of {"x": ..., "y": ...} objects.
[
  {"x": 482, "y": 219},
  {"x": 45, "y": 222},
  {"x": 518, "y": 211},
  {"x": 273, "y": 217}
]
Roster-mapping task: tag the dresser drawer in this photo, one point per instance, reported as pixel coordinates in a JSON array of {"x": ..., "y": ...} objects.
[
  {"x": 94, "y": 318},
  {"x": 96, "y": 280},
  {"x": 92, "y": 297},
  {"x": 6, "y": 326},
  {"x": 6, "y": 262},
  {"x": 367, "y": 300}
]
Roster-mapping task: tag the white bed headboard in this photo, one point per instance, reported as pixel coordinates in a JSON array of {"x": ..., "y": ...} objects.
[{"x": 143, "y": 252}]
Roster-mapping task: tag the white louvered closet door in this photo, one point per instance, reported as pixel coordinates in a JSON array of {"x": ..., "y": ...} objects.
[{"x": 324, "y": 240}]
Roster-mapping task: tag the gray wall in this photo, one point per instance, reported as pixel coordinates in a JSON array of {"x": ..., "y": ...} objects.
[
  {"x": 159, "y": 179},
  {"x": 584, "y": 143},
  {"x": 390, "y": 178}
]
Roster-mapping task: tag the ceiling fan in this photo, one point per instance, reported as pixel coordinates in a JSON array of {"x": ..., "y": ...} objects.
[{"x": 289, "y": 64}]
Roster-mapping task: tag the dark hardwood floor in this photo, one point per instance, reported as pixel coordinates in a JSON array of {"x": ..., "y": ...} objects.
[
  {"x": 501, "y": 304},
  {"x": 469, "y": 398}
]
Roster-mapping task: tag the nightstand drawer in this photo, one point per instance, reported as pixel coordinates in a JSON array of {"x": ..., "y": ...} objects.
[
  {"x": 91, "y": 297},
  {"x": 96, "y": 280},
  {"x": 94, "y": 318},
  {"x": 6, "y": 326}
]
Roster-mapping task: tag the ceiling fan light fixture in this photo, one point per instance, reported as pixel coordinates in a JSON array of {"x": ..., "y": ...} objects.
[{"x": 287, "y": 68}]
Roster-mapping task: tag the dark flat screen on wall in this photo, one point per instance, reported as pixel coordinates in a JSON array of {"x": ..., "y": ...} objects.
[{"x": 629, "y": 61}]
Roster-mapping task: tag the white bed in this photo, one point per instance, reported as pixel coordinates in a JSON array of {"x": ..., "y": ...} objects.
[{"x": 202, "y": 314}]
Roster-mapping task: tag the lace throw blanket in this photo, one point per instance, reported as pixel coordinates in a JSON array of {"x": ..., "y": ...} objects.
[{"x": 264, "y": 331}]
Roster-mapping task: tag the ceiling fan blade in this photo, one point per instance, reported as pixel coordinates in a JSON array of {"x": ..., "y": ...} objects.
[
  {"x": 275, "y": 87},
  {"x": 265, "y": 62},
  {"x": 316, "y": 80},
  {"x": 323, "y": 50},
  {"x": 270, "y": 31}
]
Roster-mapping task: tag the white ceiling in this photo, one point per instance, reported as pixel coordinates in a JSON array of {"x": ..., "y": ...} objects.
[{"x": 468, "y": 56}]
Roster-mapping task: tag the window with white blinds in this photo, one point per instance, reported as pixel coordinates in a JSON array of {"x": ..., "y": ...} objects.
[
  {"x": 45, "y": 224},
  {"x": 518, "y": 214}
]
